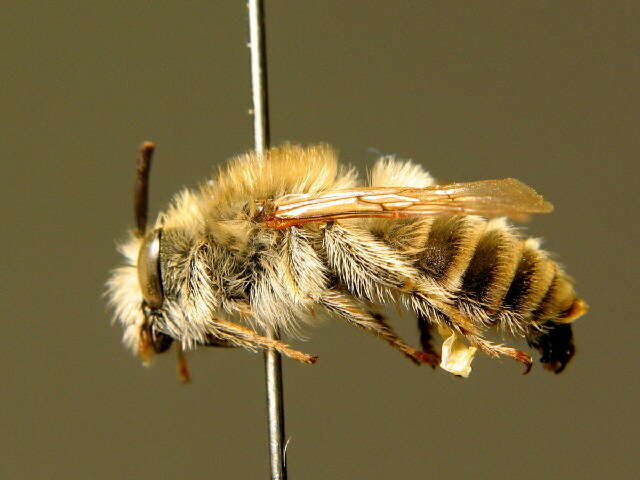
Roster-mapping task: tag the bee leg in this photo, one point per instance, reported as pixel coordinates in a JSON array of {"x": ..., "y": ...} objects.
[
  {"x": 245, "y": 337},
  {"x": 425, "y": 327},
  {"x": 498, "y": 350},
  {"x": 346, "y": 307},
  {"x": 453, "y": 319},
  {"x": 183, "y": 366}
]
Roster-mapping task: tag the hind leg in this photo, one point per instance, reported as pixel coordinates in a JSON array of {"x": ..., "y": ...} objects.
[
  {"x": 494, "y": 350},
  {"x": 455, "y": 321}
]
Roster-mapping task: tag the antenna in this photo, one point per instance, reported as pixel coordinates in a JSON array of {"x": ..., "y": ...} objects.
[{"x": 141, "y": 189}]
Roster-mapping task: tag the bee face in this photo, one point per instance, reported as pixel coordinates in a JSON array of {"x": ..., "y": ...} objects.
[{"x": 151, "y": 288}]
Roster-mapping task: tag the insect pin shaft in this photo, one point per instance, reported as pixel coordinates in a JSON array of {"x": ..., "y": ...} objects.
[{"x": 273, "y": 367}]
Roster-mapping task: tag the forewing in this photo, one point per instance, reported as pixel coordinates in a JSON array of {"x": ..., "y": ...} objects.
[{"x": 487, "y": 198}]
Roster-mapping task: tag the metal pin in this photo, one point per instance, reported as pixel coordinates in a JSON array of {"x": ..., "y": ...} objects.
[{"x": 260, "y": 111}]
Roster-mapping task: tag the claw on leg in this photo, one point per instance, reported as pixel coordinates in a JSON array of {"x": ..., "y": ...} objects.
[{"x": 499, "y": 350}]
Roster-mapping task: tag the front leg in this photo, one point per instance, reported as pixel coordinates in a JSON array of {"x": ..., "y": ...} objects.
[{"x": 247, "y": 338}]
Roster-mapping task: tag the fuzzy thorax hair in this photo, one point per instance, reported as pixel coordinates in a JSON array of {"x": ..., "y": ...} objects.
[{"x": 208, "y": 232}]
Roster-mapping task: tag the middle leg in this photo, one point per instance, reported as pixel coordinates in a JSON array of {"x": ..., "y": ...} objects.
[
  {"x": 426, "y": 338},
  {"x": 347, "y": 308}
]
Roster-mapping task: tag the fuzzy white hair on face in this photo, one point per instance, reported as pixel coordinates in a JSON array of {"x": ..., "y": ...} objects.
[{"x": 125, "y": 296}]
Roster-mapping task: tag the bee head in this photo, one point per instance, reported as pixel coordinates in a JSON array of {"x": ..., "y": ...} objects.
[
  {"x": 136, "y": 289},
  {"x": 150, "y": 282},
  {"x": 136, "y": 295},
  {"x": 173, "y": 283}
]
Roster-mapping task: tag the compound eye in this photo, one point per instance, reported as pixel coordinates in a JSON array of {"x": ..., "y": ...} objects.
[{"x": 149, "y": 270}]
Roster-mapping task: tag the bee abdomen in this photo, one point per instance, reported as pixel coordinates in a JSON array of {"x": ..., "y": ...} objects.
[
  {"x": 495, "y": 276},
  {"x": 550, "y": 331},
  {"x": 533, "y": 289},
  {"x": 448, "y": 249},
  {"x": 492, "y": 267},
  {"x": 532, "y": 279}
]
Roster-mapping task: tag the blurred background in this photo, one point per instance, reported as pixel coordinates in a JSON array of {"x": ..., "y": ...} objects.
[{"x": 543, "y": 91}]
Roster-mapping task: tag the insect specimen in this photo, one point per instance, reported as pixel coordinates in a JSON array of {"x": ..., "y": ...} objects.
[{"x": 283, "y": 239}]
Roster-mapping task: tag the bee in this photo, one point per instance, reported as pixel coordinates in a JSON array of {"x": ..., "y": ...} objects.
[{"x": 279, "y": 240}]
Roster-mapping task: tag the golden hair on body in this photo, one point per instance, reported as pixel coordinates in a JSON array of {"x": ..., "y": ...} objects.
[{"x": 281, "y": 239}]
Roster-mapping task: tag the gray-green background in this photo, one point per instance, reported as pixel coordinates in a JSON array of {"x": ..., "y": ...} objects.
[{"x": 544, "y": 91}]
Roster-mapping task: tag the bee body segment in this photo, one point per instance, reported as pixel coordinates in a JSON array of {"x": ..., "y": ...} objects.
[{"x": 230, "y": 267}]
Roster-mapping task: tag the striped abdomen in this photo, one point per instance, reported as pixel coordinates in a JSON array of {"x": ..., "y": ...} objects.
[
  {"x": 495, "y": 275},
  {"x": 497, "y": 278}
]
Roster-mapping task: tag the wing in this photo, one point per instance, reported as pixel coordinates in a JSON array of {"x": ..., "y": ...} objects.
[{"x": 487, "y": 198}]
